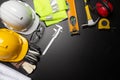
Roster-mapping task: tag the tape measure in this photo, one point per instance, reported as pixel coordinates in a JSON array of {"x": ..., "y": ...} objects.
[{"x": 103, "y": 23}]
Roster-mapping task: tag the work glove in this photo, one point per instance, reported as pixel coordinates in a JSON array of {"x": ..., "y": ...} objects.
[{"x": 29, "y": 63}]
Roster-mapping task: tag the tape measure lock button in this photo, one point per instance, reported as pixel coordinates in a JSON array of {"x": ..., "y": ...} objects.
[{"x": 104, "y": 23}]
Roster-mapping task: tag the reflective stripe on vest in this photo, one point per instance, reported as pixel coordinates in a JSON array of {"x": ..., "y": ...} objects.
[
  {"x": 55, "y": 18},
  {"x": 54, "y": 6}
]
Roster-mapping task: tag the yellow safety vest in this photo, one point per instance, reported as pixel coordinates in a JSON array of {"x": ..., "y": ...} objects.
[{"x": 51, "y": 11}]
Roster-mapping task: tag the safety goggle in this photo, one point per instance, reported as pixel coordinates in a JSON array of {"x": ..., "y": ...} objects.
[{"x": 37, "y": 34}]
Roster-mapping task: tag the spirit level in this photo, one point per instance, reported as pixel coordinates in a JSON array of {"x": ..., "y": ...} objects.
[{"x": 72, "y": 17}]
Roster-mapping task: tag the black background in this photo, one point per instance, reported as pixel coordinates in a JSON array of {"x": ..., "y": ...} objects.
[{"x": 92, "y": 55}]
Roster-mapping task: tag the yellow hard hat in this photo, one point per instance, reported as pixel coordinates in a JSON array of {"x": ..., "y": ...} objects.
[{"x": 13, "y": 46}]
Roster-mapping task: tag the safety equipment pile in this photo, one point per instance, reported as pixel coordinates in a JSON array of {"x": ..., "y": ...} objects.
[
  {"x": 20, "y": 53},
  {"x": 19, "y": 20},
  {"x": 51, "y": 11}
]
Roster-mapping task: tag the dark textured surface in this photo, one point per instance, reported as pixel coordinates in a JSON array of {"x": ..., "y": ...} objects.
[{"x": 92, "y": 55}]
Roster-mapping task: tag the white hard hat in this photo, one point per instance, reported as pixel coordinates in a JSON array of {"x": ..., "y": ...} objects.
[{"x": 19, "y": 16}]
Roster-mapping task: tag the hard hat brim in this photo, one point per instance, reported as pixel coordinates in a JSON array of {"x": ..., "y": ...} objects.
[{"x": 24, "y": 50}]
